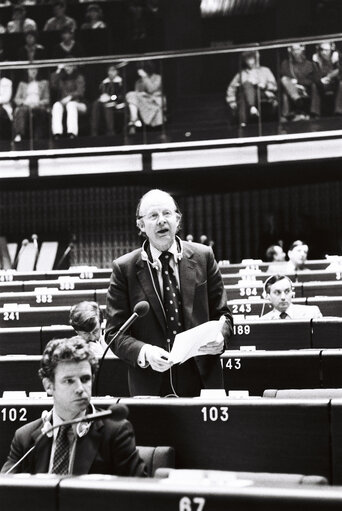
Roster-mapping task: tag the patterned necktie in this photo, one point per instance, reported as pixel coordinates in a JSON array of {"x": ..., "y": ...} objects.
[
  {"x": 172, "y": 298},
  {"x": 283, "y": 315},
  {"x": 61, "y": 456}
]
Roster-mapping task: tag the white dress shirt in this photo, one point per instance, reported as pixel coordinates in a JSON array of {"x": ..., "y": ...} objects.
[{"x": 295, "y": 311}]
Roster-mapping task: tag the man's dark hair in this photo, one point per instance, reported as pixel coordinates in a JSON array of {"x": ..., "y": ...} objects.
[
  {"x": 74, "y": 349},
  {"x": 275, "y": 278},
  {"x": 271, "y": 252},
  {"x": 297, "y": 243},
  {"x": 85, "y": 316}
]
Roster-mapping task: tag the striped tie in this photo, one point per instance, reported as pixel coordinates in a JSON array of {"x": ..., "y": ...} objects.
[{"x": 61, "y": 456}]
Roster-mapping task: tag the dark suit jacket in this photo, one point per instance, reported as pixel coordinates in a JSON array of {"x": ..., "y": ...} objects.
[
  {"x": 203, "y": 299},
  {"x": 107, "y": 448}
]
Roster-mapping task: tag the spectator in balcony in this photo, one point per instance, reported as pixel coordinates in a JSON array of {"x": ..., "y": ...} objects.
[
  {"x": 297, "y": 76},
  {"x": 252, "y": 85},
  {"x": 6, "y": 111},
  {"x": 68, "y": 85},
  {"x": 110, "y": 104},
  {"x": 19, "y": 22},
  {"x": 327, "y": 78},
  {"x": 146, "y": 101},
  {"x": 68, "y": 47},
  {"x": 94, "y": 17},
  {"x": 32, "y": 50},
  {"x": 60, "y": 20},
  {"x": 32, "y": 98}
]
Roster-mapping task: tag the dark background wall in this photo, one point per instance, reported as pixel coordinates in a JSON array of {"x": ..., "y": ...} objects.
[{"x": 243, "y": 211}]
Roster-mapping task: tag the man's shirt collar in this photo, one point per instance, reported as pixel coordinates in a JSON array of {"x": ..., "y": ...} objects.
[{"x": 155, "y": 253}]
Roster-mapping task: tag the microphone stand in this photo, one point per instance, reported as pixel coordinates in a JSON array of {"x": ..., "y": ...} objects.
[{"x": 121, "y": 330}]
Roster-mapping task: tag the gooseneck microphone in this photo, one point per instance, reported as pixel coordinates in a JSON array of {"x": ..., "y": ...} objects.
[
  {"x": 24, "y": 244},
  {"x": 140, "y": 310},
  {"x": 34, "y": 239},
  {"x": 117, "y": 412}
]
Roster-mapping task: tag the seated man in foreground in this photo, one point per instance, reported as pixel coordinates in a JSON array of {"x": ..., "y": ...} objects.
[
  {"x": 280, "y": 292},
  {"x": 106, "y": 446}
]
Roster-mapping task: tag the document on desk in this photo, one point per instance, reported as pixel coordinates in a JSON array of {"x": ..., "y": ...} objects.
[{"x": 188, "y": 343}]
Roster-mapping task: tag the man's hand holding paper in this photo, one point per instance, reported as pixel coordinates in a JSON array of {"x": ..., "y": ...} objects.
[{"x": 205, "y": 339}]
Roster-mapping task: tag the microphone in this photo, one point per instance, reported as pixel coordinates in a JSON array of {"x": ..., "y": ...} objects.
[
  {"x": 65, "y": 254},
  {"x": 34, "y": 239},
  {"x": 117, "y": 412},
  {"x": 140, "y": 310},
  {"x": 24, "y": 244}
]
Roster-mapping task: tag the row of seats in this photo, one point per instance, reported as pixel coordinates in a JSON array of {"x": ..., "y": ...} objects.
[
  {"x": 254, "y": 434},
  {"x": 211, "y": 490},
  {"x": 252, "y": 309},
  {"x": 250, "y": 373},
  {"x": 248, "y": 336}
]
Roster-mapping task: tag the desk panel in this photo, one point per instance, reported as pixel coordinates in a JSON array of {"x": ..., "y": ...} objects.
[
  {"x": 21, "y": 341},
  {"x": 271, "y": 335},
  {"x": 330, "y": 306},
  {"x": 34, "y": 316},
  {"x": 29, "y": 494},
  {"x": 258, "y": 371},
  {"x": 262, "y": 435},
  {"x": 327, "y": 333},
  {"x": 47, "y": 298}
]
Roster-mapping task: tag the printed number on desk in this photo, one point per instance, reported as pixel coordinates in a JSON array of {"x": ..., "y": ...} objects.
[
  {"x": 248, "y": 291},
  {"x": 244, "y": 308},
  {"x": 86, "y": 275},
  {"x": 241, "y": 329},
  {"x": 11, "y": 316},
  {"x": 215, "y": 413},
  {"x": 13, "y": 415},
  {"x": 44, "y": 298},
  {"x": 191, "y": 504},
  {"x": 6, "y": 277},
  {"x": 233, "y": 363},
  {"x": 67, "y": 285}
]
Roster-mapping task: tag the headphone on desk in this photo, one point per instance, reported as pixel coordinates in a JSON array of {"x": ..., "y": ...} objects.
[{"x": 157, "y": 264}]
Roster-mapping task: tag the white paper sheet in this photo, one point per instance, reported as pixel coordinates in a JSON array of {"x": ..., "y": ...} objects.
[{"x": 187, "y": 344}]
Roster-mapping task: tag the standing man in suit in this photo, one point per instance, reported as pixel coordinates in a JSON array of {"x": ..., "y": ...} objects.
[
  {"x": 183, "y": 285},
  {"x": 279, "y": 291},
  {"x": 106, "y": 446}
]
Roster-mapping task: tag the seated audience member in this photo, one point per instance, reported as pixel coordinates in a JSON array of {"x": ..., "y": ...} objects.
[
  {"x": 86, "y": 318},
  {"x": 327, "y": 78},
  {"x": 31, "y": 50},
  {"x": 146, "y": 101},
  {"x": 32, "y": 98},
  {"x": 109, "y": 104},
  {"x": 106, "y": 446},
  {"x": 19, "y": 22},
  {"x": 68, "y": 47},
  {"x": 68, "y": 85},
  {"x": 6, "y": 111},
  {"x": 60, "y": 20},
  {"x": 297, "y": 254},
  {"x": 253, "y": 84},
  {"x": 275, "y": 253},
  {"x": 297, "y": 75},
  {"x": 279, "y": 291},
  {"x": 94, "y": 17}
]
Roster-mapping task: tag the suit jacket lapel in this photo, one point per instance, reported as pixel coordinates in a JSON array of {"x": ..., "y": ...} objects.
[
  {"x": 187, "y": 270},
  {"x": 42, "y": 452},
  {"x": 87, "y": 448},
  {"x": 144, "y": 278}
]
